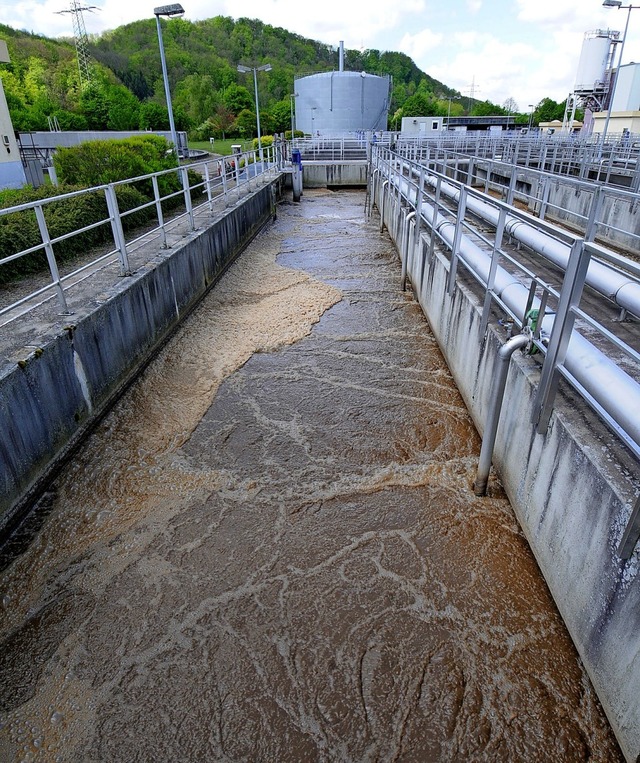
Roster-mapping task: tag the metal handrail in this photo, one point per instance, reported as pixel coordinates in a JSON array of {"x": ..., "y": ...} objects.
[
  {"x": 223, "y": 178},
  {"x": 402, "y": 175}
]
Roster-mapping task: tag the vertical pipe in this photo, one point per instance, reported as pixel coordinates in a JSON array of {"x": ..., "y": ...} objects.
[{"x": 493, "y": 415}]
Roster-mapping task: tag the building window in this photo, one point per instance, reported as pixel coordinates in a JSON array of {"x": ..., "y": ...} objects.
[{"x": 435, "y": 125}]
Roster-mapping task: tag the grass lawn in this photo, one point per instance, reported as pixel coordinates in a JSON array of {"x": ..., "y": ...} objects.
[{"x": 222, "y": 147}]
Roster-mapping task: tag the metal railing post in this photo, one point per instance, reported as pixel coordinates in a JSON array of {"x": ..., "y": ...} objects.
[
  {"x": 453, "y": 265},
  {"x": 405, "y": 249},
  {"x": 51, "y": 259},
  {"x": 116, "y": 227},
  {"x": 546, "y": 190},
  {"x": 223, "y": 175},
  {"x": 570, "y": 295},
  {"x": 495, "y": 255},
  {"x": 207, "y": 185},
  {"x": 631, "y": 533},
  {"x": 187, "y": 196},
  {"x": 595, "y": 209},
  {"x": 156, "y": 196},
  {"x": 436, "y": 205}
]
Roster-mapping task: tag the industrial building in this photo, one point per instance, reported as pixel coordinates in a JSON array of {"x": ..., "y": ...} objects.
[{"x": 11, "y": 169}]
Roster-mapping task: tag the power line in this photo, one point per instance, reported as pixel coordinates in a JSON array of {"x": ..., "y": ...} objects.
[{"x": 81, "y": 39}]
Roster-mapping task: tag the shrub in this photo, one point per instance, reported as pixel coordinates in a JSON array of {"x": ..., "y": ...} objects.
[
  {"x": 266, "y": 140},
  {"x": 89, "y": 164},
  {"x": 20, "y": 230},
  {"x": 97, "y": 162}
]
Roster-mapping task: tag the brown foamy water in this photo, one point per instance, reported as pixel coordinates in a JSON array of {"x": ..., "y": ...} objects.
[{"x": 270, "y": 549}]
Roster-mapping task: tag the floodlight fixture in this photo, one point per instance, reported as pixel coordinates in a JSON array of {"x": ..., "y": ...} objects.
[
  {"x": 169, "y": 10},
  {"x": 255, "y": 70},
  {"x": 618, "y": 5}
]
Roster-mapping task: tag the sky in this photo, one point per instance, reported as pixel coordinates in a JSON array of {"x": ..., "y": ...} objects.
[{"x": 499, "y": 49}]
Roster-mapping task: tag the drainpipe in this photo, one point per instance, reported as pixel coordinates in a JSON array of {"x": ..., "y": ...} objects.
[
  {"x": 405, "y": 247},
  {"x": 383, "y": 199},
  {"x": 495, "y": 406}
]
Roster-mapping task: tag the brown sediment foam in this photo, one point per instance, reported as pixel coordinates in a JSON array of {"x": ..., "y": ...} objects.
[{"x": 291, "y": 565}]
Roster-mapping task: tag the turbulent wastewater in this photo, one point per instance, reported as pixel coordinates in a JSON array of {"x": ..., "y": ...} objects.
[{"x": 270, "y": 549}]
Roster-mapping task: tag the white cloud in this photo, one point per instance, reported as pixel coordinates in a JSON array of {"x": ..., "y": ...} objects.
[
  {"x": 329, "y": 22},
  {"x": 417, "y": 45},
  {"x": 497, "y": 70}
]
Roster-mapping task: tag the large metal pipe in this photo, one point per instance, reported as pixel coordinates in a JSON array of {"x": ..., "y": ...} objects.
[
  {"x": 617, "y": 286},
  {"x": 614, "y": 390}
]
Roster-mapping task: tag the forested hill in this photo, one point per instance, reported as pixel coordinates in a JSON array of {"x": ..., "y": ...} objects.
[{"x": 209, "y": 94}]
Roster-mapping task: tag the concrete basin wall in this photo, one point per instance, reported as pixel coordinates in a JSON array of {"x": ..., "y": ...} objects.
[
  {"x": 53, "y": 396},
  {"x": 571, "y": 490},
  {"x": 323, "y": 175}
]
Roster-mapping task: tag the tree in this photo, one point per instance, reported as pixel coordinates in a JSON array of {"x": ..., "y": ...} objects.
[
  {"x": 236, "y": 98},
  {"x": 94, "y": 106},
  {"x": 222, "y": 120},
  {"x": 485, "y": 109},
  {"x": 510, "y": 106},
  {"x": 548, "y": 110},
  {"x": 246, "y": 123},
  {"x": 419, "y": 105},
  {"x": 153, "y": 116},
  {"x": 197, "y": 96},
  {"x": 280, "y": 116}
]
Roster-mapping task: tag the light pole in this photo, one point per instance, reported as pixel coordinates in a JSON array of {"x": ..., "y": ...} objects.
[
  {"x": 451, "y": 98},
  {"x": 530, "y": 116},
  {"x": 313, "y": 118},
  {"x": 292, "y": 97},
  {"x": 255, "y": 70},
  {"x": 169, "y": 11},
  {"x": 615, "y": 4}
]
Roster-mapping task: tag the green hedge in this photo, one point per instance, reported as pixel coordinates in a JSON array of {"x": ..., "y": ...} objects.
[
  {"x": 84, "y": 166},
  {"x": 19, "y": 230}
]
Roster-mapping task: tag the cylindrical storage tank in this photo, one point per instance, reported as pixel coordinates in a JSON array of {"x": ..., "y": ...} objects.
[
  {"x": 594, "y": 58},
  {"x": 336, "y": 102}
]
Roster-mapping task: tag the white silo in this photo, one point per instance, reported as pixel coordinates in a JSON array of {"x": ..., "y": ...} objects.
[
  {"x": 595, "y": 61},
  {"x": 592, "y": 78},
  {"x": 331, "y": 103}
]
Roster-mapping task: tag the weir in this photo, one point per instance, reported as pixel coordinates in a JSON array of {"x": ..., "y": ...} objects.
[{"x": 279, "y": 517}]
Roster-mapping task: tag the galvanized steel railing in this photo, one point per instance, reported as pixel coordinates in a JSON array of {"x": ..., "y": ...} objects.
[
  {"x": 221, "y": 181},
  {"x": 595, "y": 204},
  {"x": 616, "y": 162},
  {"x": 560, "y": 328}
]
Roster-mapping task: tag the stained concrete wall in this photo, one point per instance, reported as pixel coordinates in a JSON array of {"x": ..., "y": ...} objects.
[
  {"x": 323, "y": 175},
  {"x": 569, "y": 488},
  {"x": 49, "y": 400}
]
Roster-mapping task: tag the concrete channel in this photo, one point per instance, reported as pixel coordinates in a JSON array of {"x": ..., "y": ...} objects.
[{"x": 270, "y": 550}]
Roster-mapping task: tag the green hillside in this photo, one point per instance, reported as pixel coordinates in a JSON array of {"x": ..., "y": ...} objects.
[{"x": 210, "y": 97}]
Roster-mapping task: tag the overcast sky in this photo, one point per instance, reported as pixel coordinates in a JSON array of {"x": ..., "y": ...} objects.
[{"x": 521, "y": 49}]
